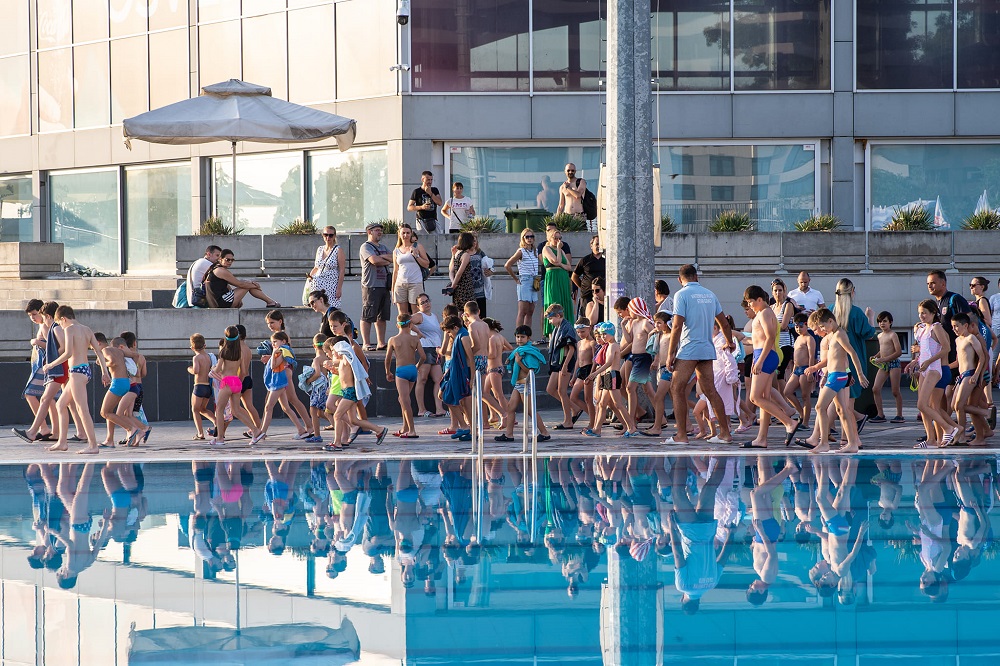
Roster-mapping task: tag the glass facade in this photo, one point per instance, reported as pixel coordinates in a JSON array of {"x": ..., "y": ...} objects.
[
  {"x": 953, "y": 178},
  {"x": 349, "y": 189},
  {"x": 690, "y": 45},
  {"x": 568, "y": 45},
  {"x": 904, "y": 45},
  {"x": 15, "y": 209},
  {"x": 84, "y": 212},
  {"x": 775, "y": 184},
  {"x": 157, "y": 210},
  {"x": 268, "y": 193},
  {"x": 781, "y": 45},
  {"x": 365, "y": 55},
  {"x": 497, "y": 178}
]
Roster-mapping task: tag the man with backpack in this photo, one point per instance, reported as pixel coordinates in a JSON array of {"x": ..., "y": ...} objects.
[{"x": 574, "y": 198}]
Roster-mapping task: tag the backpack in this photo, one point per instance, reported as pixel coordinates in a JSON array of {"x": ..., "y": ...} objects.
[{"x": 589, "y": 203}]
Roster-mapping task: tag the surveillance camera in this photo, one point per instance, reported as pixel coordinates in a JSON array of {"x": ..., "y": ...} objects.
[{"x": 403, "y": 13}]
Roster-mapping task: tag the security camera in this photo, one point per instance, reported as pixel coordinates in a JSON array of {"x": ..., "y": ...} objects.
[{"x": 403, "y": 13}]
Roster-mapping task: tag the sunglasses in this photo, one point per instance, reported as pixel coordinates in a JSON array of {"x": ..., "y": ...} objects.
[
  {"x": 975, "y": 284},
  {"x": 329, "y": 235}
]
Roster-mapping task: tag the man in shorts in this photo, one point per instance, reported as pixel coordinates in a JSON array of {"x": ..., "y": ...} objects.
[
  {"x": 692, "y": 351},
  {"x": 375, "y": 257}
]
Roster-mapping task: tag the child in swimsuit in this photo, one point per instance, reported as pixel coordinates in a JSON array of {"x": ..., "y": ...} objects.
[
  {"x": 803, "y": 354},
  {"x": 932, "y": 347},
  {"x": 606, "y": 359},
  {"x": 227, "y": 372},
  {"x": 493, "y": 382},
  {"x": 887, "y": 362},
  {"x": 405, "y": 348},
  {"x": 585, "y": 348}
]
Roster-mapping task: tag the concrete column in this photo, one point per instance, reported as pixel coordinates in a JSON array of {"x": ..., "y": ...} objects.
[
  {"x": 629, "y": 612},
  {"x": 629, "y": 176}
]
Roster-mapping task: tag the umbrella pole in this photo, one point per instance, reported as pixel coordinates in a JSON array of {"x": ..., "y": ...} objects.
[{"x": 234, "y": 187}]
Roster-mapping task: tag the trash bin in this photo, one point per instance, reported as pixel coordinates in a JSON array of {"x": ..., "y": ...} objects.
[
  {"x": 536, "y": 218},
  {"x": 516, "y": 220}
]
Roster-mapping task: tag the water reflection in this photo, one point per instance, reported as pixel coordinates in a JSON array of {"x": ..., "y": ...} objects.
[{"x": 610, "y": 558}]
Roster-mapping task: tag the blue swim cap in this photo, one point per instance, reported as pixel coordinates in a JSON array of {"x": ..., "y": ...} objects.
[{"x": 607, "y": 328}]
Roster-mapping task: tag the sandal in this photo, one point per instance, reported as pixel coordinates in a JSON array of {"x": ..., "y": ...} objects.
[
  {"x": 369, "y": 348},
  {"x": 446, "y": 431}
]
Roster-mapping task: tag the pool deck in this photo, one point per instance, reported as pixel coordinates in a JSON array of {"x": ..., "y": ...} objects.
[{"x": 172, "y": 441}]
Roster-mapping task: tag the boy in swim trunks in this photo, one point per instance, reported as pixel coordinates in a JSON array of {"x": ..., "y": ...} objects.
[
  {"x": 479, "y": 333},
  {"x": 405, "y": 347},
  {"x": 887, "y": 361},
  {"x": 118, "y": 389},
  {"x": 803, "y": 355},
  {"x": 836, "y": 386},
  {"x": 641, "y": 327},
  {"x": 972, "y": 363},
  {"x": 765, "y": 505},
  {"x": 79, "y": 340},
  {"x": 343, "y": 355},
  {"x": 201, "y": 365},
  {"x": 585, "y": 349},
  {"x": 764, "y": 334}
]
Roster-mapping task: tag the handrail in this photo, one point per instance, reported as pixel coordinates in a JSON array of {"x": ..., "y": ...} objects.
[
  {"x": 476, "y": 435},
  {"x": 529, "y": 389}
]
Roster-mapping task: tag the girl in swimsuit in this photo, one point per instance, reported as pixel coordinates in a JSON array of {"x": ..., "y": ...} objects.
[
  {"x": 932, "y": 345},
  {"x": 227, "y": 371},
  {"x": 493, "y": 381},
  {"x": 607, "y": 358}
]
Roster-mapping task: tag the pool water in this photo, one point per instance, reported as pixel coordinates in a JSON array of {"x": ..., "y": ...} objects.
[{"x": 610, "y": 559}]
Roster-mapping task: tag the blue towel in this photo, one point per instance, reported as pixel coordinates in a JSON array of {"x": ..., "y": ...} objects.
[
  {"x": 530, "y": 357},
  {"x": 455, "y": 385}
]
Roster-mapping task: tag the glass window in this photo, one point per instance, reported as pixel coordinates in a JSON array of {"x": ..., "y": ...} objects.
[
  {"x": 960, "y": 177},
  {"x": 129, "y": 85},
  {"x": 15, "y": 209},
  {"x": 255, "y": 7},
  {"x": 14, "y": 27},
  {"x": 157, "y": 210},
  {"x": 978, "y": 38},
  {"x": 500, "y": 178},
  {"x": 55, "y": 23},
  {"x": 726, "y": 178},
  {"x": 904, "y": 45},
  {"x": 364, "y": 56},
  {"x": 782, "y": 44},
  {"x": 168, "y": 68},
  {"x": 15, "y": 106},
  {"x": 568, "y": 43},
  {"x": 311, "y": 55},
  {"x": 349, "y": 189},
  {"x": 265, "y": 53},
  {"x": 90, "y": 20},
  {"x": 219, "y": 55},
  {"x": 129, "y": 18},
  {"x": 84, "y": 213},
  {"x": 55, "y": 90},
  {"x": 91, "y": 72},
  {"x": 691, "y": 45},
  {"x": 269, "y": 194},
  {"x": 477, "y": 45},
  {"x": 165, "y": 15},
  {"x": 214, "y": 10}
]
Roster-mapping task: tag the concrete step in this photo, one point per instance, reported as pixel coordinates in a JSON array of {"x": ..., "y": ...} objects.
[{"x": 105, "y": 293}]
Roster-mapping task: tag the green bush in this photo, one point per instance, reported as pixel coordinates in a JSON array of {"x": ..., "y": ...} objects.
[
  {"x": 214, "y": 226},
  {"x": 566, "y": 222},
  {"x": 482, "y": 224},
  {"x": 389, "y": 226},
  {"x": 818, "y": 223},
  {"x": 987, "y": 220},
  {"x": 911, "y": 218},
  {"x": 731, "y": 221},
  {"x": 667, "y": 224},
  {"x": 297, "y": 227}
]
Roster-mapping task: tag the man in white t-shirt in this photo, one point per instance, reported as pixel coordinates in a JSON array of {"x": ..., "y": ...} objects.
[
  {"x": 808, "y": 299},
  {"x": 196, "y": 274},
  {"x": 458, "y": 209}
]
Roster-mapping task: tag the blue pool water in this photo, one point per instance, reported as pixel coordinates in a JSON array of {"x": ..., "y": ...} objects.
[{"x": 604, "y": 559}]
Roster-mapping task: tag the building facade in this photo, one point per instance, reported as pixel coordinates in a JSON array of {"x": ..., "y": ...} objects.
[{"x": 780, "y": 108}]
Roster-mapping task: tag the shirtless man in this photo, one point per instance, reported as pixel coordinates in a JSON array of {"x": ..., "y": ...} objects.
[
  {"x": 79, "y": 340},
  {"x": 571, "y": 193},
  {"x": 405, "y": 347},
  {"x": 116, "y": 391},
  {"x": 764, "y": 332},
  {"x": 972, "y": 363}
]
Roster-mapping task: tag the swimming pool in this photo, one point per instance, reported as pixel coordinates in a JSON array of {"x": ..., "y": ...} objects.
[{"x": 610, "y": 559}]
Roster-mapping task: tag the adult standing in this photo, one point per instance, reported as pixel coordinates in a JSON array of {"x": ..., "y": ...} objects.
[
  {"x": 429, "y": 329},
  {"x": 593, "y": 265},
  {"x": 860, "y": 327},
  {"x": 691, "y": 351},
  {"x": 320, "y": 304},
  {"x": 571, "y": 193},
  {"x": 526, "y": 260},
  {"x": 225, "y": 290},
  {"x": 424, "y": 202},
  {"x": 463, "y": 287},
  {"x": 949, "y": 304},
  {"x": 807, "y": 299},
  {"x": 408, "y": 258},
  {"x": 594, "y": 310},
  {"x": 375, "y": 257},
  {"x": 196, "y": 273},
  {"x": 481, "y": 267},
  {"x": 458, "y": 208},
  {"x": 784, "y": 310},
  {"x": 327, "y": 273},
  {"x": 556, "y": 285}
]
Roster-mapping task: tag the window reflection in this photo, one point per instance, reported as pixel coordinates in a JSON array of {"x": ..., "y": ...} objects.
[
  {"x": 904, "y": 45},
  {"x": 55, "y": 90},
  {"x": 978, "y": 44},
  {"x": 90, "y": 21},
  {"x": 91, "y": 73},
  {"x": 128, "y": 17},
  {"x": 129, "y": 87},
  {"x": 55, "y": 23},
  {"x": 782, "y": 44},
  {"x": 365, "y": 55},
  {"x": 157, "y": 210},
  {"x": 470, "y": 45},
  {"x": 219, "y": 52},
  {"x": 691, "y": 45},
  {"x": 15, "y": 102},
  {"x": 168, "y": 68},
  {"x": 167, "y": 14},
  {"x": 311, "y": 55},
  {"x": 265, "y": 52},
  {"x": 776, "y": 185},
  {"x": 84, "y": 213},
  {"x": 15, "y": 209},
  {"x": 269, "y": 193},
  {"x": 14, "y": 31},
  {"x": 349, "y": 189},
  {"x": 569, "y": 47}
]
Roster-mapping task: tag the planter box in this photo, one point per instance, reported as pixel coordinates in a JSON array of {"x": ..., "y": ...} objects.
[{"x": 30, "y": 260}]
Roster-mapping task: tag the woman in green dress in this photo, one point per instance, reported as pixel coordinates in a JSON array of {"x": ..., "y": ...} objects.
[{"x": 557, "y": 271}]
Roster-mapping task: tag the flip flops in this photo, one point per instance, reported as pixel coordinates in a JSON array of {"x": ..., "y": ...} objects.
[{"x": 789, "y": 436}]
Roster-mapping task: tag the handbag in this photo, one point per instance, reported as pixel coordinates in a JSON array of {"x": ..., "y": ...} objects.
[
  {"x": 180, "y": 299},
  {"x": 306, "y": 289},
  {"x": 536, "y": 283}
]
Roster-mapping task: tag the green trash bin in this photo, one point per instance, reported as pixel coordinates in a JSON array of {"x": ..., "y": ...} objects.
[
  {"x": 536, "y": 218},
  {"x": 516, "y": 220}
]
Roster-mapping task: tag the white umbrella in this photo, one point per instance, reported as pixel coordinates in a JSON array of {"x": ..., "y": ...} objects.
[{"x": 238, "y": 111}]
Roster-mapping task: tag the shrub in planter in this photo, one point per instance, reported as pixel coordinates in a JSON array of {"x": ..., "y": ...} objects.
[
  {"x": 214, "y": 226},
  {"x": 667, "y": 225},
  {"x": 911, "y": 218},
  {"x": 986, "y": 220},
  {"x": 482, "y": 224},
  {"x": 566, "y": 222},
  {"x": 731, "y": 220},
  {"x": 297, "y": 227},
  {"x": 818, "y": 223}
]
